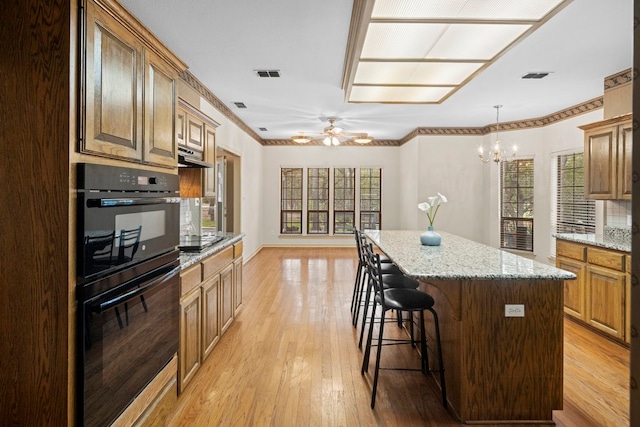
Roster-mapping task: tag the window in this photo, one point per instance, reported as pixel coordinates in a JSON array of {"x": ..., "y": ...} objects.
[
  {"x": 318, "y": 201},
  {"x": 291, "y": 201},
  {"x": 570, "y": 211},
  {"x": 516, "y": 204},
  {"x": 370, "y": 198},
  {"x": 344, "y": 200},
  {"x": 329, "y": 201}
]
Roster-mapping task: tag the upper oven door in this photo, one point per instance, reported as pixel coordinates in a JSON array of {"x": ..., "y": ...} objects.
[{"x": 118, "y": 229}]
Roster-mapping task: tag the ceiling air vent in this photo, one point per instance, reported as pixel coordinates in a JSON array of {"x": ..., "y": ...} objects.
[
  {"x": 263, "y": 129},
  {"x": 268, "y": 73},
  {"x": 240, "y": 104},
  {"x": 535, "y": 75}
]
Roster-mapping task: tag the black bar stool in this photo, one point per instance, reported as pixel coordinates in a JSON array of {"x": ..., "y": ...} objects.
[
  {"x": 399, "y": 299},
  {"x": 361, "y": 275}
]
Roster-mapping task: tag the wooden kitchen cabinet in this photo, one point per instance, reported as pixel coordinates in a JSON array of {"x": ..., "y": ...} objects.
[
  {"x": 124, "y": 61},
  {"x": 607, "y": 158},
  {"x": 209, "y": 177},
  {"x": 226, "y": 298},
  {"x": 160, "y": 100},
  {"x": 599, "y": 297},
  {"x": 237, "y": 277},
  {"x": 195, "y": 133},
  {"x": 606, "y": 301},
  {"x": 211, "y": 330},
  {"x": 207, "y": 308},
  {"x": 190, "y": 337},
  {"x": 574, "y": 290},
  {"x": 113, "y": 73}
]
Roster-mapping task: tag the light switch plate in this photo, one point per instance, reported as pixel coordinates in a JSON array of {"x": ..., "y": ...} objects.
[{"x": 514, "y": 310}]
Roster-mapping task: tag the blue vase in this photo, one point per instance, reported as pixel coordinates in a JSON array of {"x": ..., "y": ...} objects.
[{"x": 430, "y": 237}]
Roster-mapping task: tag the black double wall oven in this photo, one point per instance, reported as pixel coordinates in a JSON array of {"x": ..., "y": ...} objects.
[{"x": 128, "y": 285}]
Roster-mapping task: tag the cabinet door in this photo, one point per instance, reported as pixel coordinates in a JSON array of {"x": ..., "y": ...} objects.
[
  {"x": 189, "y": 356},
  {"x": 210, "y": 314},
  {"x": 113, "y": 91},
  {"x": 625, "y": 171},
  {"x": 195, "y": 133},
  {"x": 159, "y": 112},
  {"x": 237, "y": 285},
  {"x": 210, "y": 156},
  {"x": 226, "y": 278},
  {"x": 181, "y": 127},
  {"x": 574, "y": 290},
  {"x": 606, "y": 300},
  {"x": 600, "y": 163}
]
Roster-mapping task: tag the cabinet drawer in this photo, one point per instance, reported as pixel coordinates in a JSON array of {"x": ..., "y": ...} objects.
[
  {"x": 571, "y": 250},
  {"x": 237, "y": 250},
  {"x": 217, "y": 262},
  {"x": 190, "y": 278},
  {"x": 604, "y": 258}
]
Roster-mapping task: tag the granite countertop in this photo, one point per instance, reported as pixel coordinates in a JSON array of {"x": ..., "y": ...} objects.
[
  {"x": 187, "y": 259},
  {"x": 618, "y": 242},
  {"x": 458, "y": 258}
]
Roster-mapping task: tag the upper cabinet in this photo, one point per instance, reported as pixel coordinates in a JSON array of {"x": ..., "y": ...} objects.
[
  {"x": 197, "y": 132},
  {"x": 607, "y": 157},
  {"x": 129, "y": 90}
]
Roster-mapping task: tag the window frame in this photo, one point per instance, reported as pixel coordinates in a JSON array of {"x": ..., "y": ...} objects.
[
  {"x": 315, "y": 215},
  {"x": 364, "y": 212},
  {"x": 522, "y": 239},
  {"x": 306, "y": 212},
  {"x": 285, "y": 226},
  {"x": 344, "y": 200}
]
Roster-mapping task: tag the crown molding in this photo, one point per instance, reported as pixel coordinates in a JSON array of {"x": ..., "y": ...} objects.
[
  {"x": 618, "y": 79},
  {"x": 199, "y": 87}
]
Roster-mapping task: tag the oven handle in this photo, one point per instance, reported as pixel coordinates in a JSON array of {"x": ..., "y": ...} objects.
[
  {"x": 131, "y": 201},
  {"x": 131, "y": 294}
]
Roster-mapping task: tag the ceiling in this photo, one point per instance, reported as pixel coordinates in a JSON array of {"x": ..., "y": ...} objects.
[{"x": 223, "y": 42}]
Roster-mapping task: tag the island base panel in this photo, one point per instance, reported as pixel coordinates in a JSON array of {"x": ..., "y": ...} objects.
[{"x": 500, "y": 369}]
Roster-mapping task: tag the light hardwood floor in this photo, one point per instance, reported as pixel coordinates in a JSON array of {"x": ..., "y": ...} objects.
[{"x": 291, "y": 359}]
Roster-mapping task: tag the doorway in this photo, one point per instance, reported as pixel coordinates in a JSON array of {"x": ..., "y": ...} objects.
[{"x": 228, "y": 191}]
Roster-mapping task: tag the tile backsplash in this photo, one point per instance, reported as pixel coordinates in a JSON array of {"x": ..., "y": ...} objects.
[{"x": 618, "y": 213}]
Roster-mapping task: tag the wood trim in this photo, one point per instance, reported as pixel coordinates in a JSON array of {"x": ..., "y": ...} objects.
[{"x": 612, "y": 121}]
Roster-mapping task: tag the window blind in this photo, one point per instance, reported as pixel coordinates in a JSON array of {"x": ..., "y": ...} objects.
[
  {"x": 570, "y": 211},
  {"x": 516, "y": 204}
]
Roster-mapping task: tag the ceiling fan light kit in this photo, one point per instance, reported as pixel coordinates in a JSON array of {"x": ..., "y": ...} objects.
[{"x": 333, "y": 136}]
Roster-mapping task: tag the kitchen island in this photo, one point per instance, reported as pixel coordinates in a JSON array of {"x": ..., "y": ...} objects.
[{"x": 501, "y": 320}]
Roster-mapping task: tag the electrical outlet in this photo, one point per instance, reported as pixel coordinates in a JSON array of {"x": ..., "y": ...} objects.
[{"x": 514, "y": 310}]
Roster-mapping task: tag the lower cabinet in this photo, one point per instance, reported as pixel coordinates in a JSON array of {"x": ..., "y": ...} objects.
[
  {"x": 606, "y": 302},
  {"x": 226, "y": 280},
  {"x": 211, "y": 330},
  {"x": 208, "y": 304},
  {"x": 574, "y": 290},
  {"x": 190, "y": 337},
  {"x": 599, "y": 296}
]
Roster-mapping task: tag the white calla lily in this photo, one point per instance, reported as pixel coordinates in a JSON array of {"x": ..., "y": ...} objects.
[{"x": 431, "y": 206}]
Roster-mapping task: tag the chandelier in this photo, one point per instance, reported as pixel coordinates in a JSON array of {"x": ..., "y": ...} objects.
[{"x": 497, "y": 154}]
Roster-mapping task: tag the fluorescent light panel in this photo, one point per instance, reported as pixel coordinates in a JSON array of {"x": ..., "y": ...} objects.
[{"x": 437, "y": 44}]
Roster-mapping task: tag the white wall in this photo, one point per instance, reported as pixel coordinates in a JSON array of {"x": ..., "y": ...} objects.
[
  {"x": 275, "y": 157},
  {"x": 231, "y": 138},
  {"x": 449, "y": 165}
]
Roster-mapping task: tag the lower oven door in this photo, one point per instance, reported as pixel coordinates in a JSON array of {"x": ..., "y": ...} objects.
[{"x": 128, "y": 334}]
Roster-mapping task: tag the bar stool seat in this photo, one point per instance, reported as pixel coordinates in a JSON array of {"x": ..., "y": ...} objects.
[{"x": 401, "y": 300}]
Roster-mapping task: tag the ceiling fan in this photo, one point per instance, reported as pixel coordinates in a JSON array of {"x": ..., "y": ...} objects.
[{"x": 333, "y": 135}]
